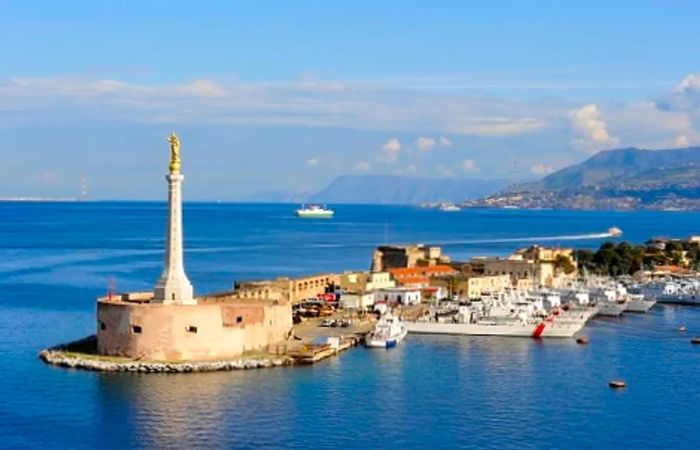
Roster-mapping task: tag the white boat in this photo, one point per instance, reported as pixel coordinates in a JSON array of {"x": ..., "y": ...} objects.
[
  {"x": 682, "y": 293},
  {"x": 449, "y": 207},
  {"x": 314, "y": 212},
  {"x": 637, "y": 303},
  {"x": 614, "y": 232},
  {"x": 466, "y": 322},
  {"x": 387, "y": 333}
]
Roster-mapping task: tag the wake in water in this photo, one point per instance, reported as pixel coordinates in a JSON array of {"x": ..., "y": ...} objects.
[{"x": 571, "y": 237}]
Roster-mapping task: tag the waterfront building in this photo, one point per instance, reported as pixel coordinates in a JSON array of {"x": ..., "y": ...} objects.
[
  {"x": 472, "y": 286},
  {"x": 365, "y": 281},
  {"x": 400, "y": 256},
  {"x": 402, "y": 295},
  {"x": 171, "y": 323},
  {"x": 542, "y": 265},
  {"x": 293, "y": 290},
  {"x": 357, "y": 300}
]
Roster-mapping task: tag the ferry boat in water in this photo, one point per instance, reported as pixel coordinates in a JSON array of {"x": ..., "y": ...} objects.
[
  {"x": 387, "y": 333},
  {"x": 314, "y": 212},
  {"x": 449, "y": 207}
]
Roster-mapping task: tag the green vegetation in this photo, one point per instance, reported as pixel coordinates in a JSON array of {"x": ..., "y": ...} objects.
[{"x": 626, "y": 259}]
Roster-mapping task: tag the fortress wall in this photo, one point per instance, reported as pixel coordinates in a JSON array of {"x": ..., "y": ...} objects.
[{"x": 189, "y": 332}]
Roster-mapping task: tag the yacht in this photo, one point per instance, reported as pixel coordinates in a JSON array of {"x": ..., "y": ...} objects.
[
  {"x": 449, "y": 207},
  {"x": 314, "y": 212},
  {"x": 614, "y": 232},
  {"x": 387, "y": 333},
  {"x": 637, "y": 303}
]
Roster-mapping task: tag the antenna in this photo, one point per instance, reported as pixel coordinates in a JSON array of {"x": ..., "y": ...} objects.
[{"x": 111, "y": 287}]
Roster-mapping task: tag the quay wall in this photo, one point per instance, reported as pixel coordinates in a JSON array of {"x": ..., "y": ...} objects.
[{"x": 189, "y": 332}]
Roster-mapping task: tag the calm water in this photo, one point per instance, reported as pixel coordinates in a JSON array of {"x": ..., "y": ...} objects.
[{"x": 435, "y": 392}]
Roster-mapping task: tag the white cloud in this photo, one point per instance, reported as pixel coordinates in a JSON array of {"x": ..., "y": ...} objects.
[
  {"x": 541, "y": 169},
  {"x": 682, "y": 140},
  {"x": 391, "y": 150},
  {"x": 312, "y": 162},
  {"x": 468, "y": 165},
  {"x": 445, "y": 142},
  {"x": 411, "y": 169},
  {"x": 496, "y": 126},
  {"x": 590, "y": 129},
  {"x": 362, "y": 166},
  {"x": 425, "y": 144}
]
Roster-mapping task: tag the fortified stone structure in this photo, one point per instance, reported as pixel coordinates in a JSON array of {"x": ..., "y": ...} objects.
[{"x": 170, "y": 324}]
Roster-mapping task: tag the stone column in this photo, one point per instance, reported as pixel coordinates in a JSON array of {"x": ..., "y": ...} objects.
[{"x": 173, "y": 287}]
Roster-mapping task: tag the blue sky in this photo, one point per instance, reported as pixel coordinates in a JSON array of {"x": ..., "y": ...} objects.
[{"x": 288, "y": 95}]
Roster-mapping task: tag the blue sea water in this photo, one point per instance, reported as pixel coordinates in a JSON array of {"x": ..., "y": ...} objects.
[{"x": 438, "y": 392}]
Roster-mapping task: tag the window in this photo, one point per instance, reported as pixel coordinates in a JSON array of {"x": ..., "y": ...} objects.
[
  {"x": 239, "y": 319},
  {"x": 136, "y": 329},
  {"x": 102, "y": 326},
  {"x": 191, "y": 329}
]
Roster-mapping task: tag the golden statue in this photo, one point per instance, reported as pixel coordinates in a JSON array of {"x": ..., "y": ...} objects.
[{"x": 174, "y": 153}]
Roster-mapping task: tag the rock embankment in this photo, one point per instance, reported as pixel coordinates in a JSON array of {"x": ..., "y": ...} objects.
[{"x": 68, "y": 355}]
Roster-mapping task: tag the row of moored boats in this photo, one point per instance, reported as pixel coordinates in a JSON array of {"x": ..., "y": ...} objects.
[{"x": 539, "y": 314}]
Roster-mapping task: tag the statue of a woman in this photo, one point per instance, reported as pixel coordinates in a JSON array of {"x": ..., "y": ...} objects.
[{"x": 174, "y": 153}]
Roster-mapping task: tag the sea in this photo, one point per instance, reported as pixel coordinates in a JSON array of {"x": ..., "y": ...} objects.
[{"x": 429, "y": 392}]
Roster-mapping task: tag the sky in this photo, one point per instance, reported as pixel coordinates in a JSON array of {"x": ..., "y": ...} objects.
[{"x": 286, "y": 96}]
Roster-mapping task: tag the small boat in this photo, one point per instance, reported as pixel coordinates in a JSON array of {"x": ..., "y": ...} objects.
[
  {"x": 314, "y": 212},
  {"x": 449, "y": 207},
  {"x": 614, "y": 232},
  {"x": 637, "y": 303},
  {"x": 387, "y": 333}
]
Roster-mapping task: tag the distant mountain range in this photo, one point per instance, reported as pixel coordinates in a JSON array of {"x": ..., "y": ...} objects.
[
  {"x": 628, "y": 178},
  {"x": 391, "y": 189}
]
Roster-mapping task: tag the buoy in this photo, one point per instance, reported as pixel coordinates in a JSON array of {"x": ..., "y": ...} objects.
[
  {"x": 583, "y": 340},
  {"x": 695, "y": 340},
  {"x": 617, "y": 384},
  {"x": 682, "y": 329}
]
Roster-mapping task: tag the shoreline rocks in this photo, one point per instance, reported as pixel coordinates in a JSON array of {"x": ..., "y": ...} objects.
[{"x": 58, "y": 356}]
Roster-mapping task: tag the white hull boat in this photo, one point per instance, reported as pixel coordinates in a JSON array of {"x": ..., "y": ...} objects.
[
  {"x": 547, "y": 328},
  {"x": 611, "y": 309},
  {"x": 314, "y": 212},
  {"x": 639, "y": 305},
  {"x": 387, "y": 333}
]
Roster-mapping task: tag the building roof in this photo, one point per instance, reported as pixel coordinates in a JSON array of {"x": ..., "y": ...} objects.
[{"x": 404, "y": 272}]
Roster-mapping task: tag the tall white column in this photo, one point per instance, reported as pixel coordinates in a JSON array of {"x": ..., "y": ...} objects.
[{"x": 173, "y": 287}]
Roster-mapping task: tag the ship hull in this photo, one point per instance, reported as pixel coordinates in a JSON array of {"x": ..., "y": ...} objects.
[
  {"x": 639, "y": 306},
  {"x": 537, "y": 330}
]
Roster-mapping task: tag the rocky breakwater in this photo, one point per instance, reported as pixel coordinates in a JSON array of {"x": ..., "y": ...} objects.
[{"x": 81, "y": 355}]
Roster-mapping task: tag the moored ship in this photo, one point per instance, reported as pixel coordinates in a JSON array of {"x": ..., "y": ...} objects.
[{"x": 387, "y": 333}]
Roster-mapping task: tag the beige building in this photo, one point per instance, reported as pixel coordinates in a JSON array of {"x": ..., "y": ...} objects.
[
  {"x": 540, "y": 265},
  {"x": 294, "y": 290},
  {"x": 472, "y": 286},
  {"x": 219, "y": 327},
  {"x": 365, "y": 281},
  {"x": 401, "y": 256}
]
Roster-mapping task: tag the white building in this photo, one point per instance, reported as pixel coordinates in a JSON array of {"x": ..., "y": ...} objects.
[
  {"x": 405, "y": 296},
  {"x": 357, "y": 300}
]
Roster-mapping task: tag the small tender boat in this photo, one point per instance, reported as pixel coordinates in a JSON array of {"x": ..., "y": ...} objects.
[
  {"x": 388, "y": 332},
  {"x": 614, "y": 232},
  {"x": 314, "y": 212}
]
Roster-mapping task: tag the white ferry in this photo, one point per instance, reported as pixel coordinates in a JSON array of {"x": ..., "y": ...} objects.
[
  {"x": 314, "y": 212},
  {"x": 387, "y": 333}
]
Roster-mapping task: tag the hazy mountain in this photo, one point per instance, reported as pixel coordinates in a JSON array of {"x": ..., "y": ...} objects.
[
  {"x": 628, "y": 178},
  {"x": 391, "y": 189},
  {"x": 624, "y": 167}
]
